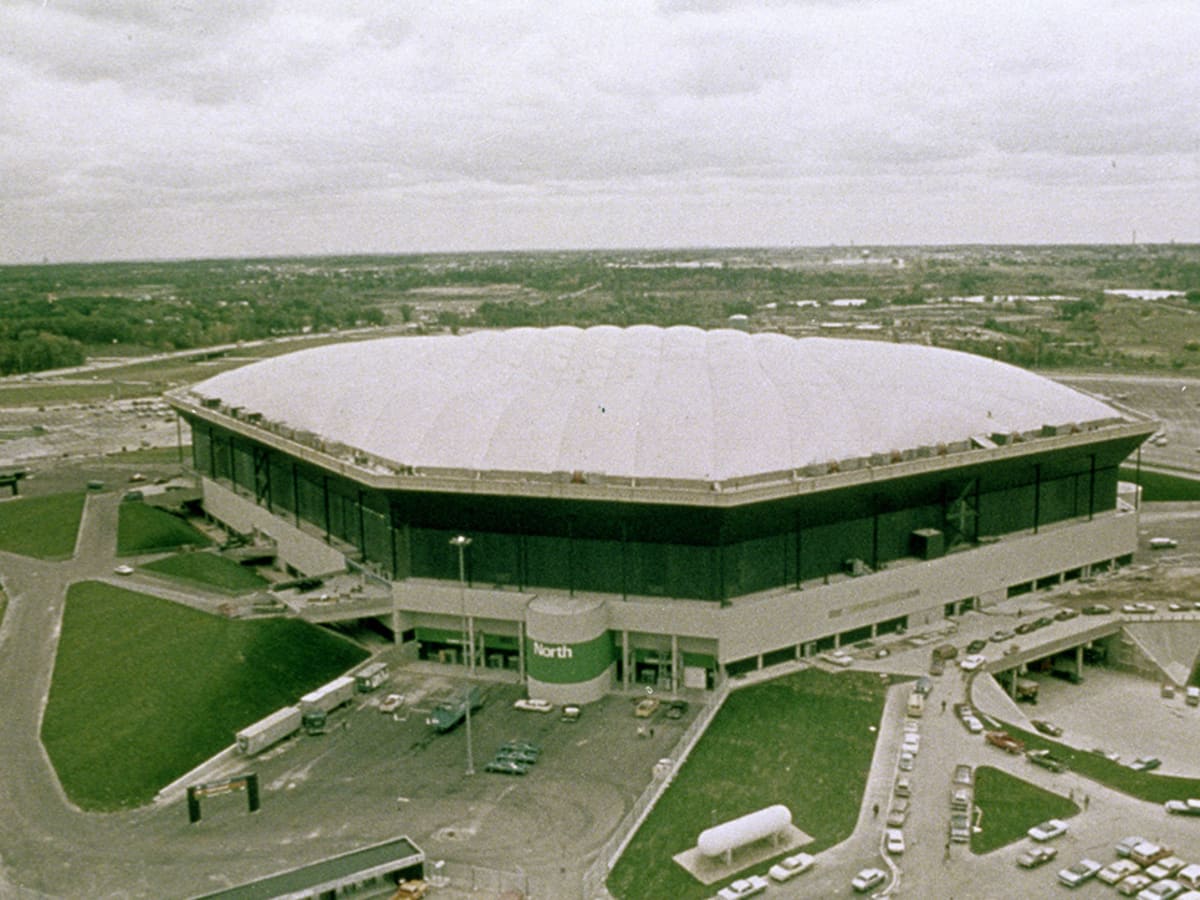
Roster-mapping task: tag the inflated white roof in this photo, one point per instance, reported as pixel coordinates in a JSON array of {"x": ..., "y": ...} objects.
[{"x": 643, "y": 401}]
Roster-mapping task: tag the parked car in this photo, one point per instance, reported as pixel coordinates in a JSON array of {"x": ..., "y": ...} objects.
[
  {"x": 937, "y": 665},
  {"x": 1189, "y": 807},
  {"x": 532, "y": 705},
  {"x": 1075, "y": 875},
  {"x": 1163, "y": 889},
  {"x": 792, "y": 866},
  {"x": 1048, "y": 830},
  {"x": 1000, "y": 635},
  {"x": 1145, "y": 763},
  {"x": 391, "y": 703},
  {"x": 1136, "y": 608},
  {"x": 1046, "y": 727},
  {"x": 523, "y": 746},
  {"x": 976, "y": 645},
  {"x": 903, "y": 786},
  {"x": 743, "y": 887},
  {"x": 1096, "y": 609},
  {"x": 123, "y": 570},
  {"x": 1065, "y": 613},
  {"x": 570, "y": 713},
  {"x": 1163, "y": 543},
  {"x": 646, "y": 707},
  {"x": 1045, "y": 760},
  {"x": 1134, "y": 884},
  {"x": 1125, "y": 846},
  {"x": 1118, "y": 871},
  {"x": 960, "y": 799},
  {"x": 506, "y": 767},
  {"x": 1036, "y": 856},
  {"x": 1147, "y": 853},
  {"x": 867, "y": 879},
  {"x": 960, "y": 828},
  {"x": 907, "y": 761},
  {"x": 1165, "y": 867},
  {"x": 838, "y": 658},
  {"x": 963, "y": 774},
  {"x": 1004, "y": 741},
  {"x": 972, "y": 662},
  {"x": 893, "y": 841},
  {"x": 512, "y": 754},
  {"x": 912, "y": 742},
  {"x": 676, "y": 709},
  {"x": 898, "y": 813},
  {"x": 972, "y": 724},
  {"x": 923, "y": 685}
]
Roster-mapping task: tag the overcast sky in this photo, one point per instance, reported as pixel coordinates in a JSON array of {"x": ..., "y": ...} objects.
[{"x": 147, "y": 128}]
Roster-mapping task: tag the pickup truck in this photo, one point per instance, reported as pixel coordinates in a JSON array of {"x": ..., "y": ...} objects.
[{"x": 447, "y": 714}]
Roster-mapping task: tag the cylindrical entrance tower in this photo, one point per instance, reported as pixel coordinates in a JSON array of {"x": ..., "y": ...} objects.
[{"x": 568, "y": 649}]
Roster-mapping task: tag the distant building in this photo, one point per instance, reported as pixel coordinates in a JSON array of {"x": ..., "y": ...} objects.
[{"x": 666, "y": 506}]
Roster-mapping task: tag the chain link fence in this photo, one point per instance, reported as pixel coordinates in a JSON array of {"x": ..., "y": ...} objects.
[{"x": 593, "y": 887}]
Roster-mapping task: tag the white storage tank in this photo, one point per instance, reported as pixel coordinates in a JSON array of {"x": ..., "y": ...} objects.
[{"x": 729, "y": 836}]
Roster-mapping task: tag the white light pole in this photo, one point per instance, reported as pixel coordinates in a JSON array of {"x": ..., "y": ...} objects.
[{"x": 462, "y": 542}]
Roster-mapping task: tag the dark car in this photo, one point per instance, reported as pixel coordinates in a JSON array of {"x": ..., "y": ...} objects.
[
  {"x": 976, "y": 645},
  {"x": 1096, "y": 609},
  {"x": 1026, "y": 627},
  {"x": 1046, "y": 727},
  {"x": 676, "y": 709},
  {"x": 1066, "y": 613}
]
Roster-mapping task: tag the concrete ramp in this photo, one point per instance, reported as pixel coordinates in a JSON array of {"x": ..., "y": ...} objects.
[
  {"x": 1172, "y": 646},
  {"x": 989, "y": 697}
]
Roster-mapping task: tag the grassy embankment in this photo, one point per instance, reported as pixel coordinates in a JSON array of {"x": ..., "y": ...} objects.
[
  {"x": 207, "y": 570},
  {"x": 147, "y": 529},
  {"x": 144, "y": 689},
  {"x": 804, "y": 740}
]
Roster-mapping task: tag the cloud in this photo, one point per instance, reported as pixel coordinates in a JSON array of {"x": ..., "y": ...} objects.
[{"x": 287, "y": 109}]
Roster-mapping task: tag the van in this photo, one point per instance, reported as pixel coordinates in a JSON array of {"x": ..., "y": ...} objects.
[
  {"x": 916, "y": 705},
  {"x": 1193, "y": 696}
]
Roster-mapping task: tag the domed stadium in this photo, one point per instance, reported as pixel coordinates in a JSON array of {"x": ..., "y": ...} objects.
[{"x": 662, "y": 505}]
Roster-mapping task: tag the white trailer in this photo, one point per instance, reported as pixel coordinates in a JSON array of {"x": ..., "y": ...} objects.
[
  {"x": 329, "y": 696},
  {"x": 265, "y": 732}
]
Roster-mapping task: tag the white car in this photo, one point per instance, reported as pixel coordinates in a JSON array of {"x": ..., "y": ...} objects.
[
  {"x": 792, "y": 866},
  {"x": 839, "y": 658},
  {"x": 1190, "y": 807},
  {"x": 123, "y": 570},
  {"x": 391, "y": 703},
  {"x": 1118, "y": 871},
  {"x": 912, "y": 742},
  {"x": 1138, "y": 608},
  {"x": 911, "y": 726},
  {"x": 1164, "y": 889},
  {"x": 532, "y": 705},
  {"x": 972, "y": 662},
  {"x": 867, "y": 879},
  {"x": 1048, "y": 830},
  {"x": 972, "y": 724},
  {"x": 893, "y": 840},
  {"x": 907, "y": 761},
  {"x": 1163, "y": 543},
  {"x": 1075, "y": 875},
  {"x": 743, "y": 887}
]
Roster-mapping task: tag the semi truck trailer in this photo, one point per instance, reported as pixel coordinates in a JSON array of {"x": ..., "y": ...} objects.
[{"x": 274, "y": 728}]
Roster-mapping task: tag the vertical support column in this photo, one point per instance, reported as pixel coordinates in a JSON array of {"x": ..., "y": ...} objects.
[
  {"x": 1037, "y": 495},
  {"x": 624, "y": 659},
  {"x": 521, "y": 649},
  {"x": 1079, "y": 660},
  {"x": 362, "y": 527},
  {"x": 325, "y": 503},
  {"x": 1092, "y": 484},
  {"x": 674, "y": 662},
  {"x": 296, "y": 494}
]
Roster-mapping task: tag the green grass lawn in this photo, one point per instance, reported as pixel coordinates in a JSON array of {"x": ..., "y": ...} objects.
[
  {"x": 144, "y": 689},
  {"x": 152, "y": 455},
  {"x": 804, "y": 740},
  {"x": 1011, "y": 807},
  {"x": 147, "y": 529},
  {"x": 209, "y": 570},
  {"x": 1143, "y": 785},
  {"x": 44, "y": 527},
  {"x": 1162, "y": 486}
]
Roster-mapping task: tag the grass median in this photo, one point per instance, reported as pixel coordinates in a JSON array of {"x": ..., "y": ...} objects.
[
  {"x": 42, "y": 527},
  {"x": 144, "y": 689},
  {"x": 1010, "y": 807},
  {"x": 804, "y": 740}
]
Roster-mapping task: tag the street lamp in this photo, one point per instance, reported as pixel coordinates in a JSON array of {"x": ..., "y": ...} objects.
[{"x": 462, "y": 542}]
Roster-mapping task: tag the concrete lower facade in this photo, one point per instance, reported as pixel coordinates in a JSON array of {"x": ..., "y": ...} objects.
[{"x": 574, "y": 647}]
